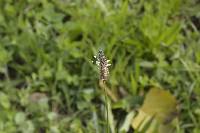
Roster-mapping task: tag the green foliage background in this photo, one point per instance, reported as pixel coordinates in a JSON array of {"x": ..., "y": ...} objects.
[{"x": 49, "y": 84}]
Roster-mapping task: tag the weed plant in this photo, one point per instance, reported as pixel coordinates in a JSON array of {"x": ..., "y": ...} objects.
[{"x": 48, "y": 83}]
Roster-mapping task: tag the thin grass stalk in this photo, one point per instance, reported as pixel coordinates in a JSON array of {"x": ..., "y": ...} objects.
[{"x": 106, "y": 107}]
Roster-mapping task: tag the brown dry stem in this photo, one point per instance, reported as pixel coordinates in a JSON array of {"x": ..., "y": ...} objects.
[{"x": 108, "y": 91}]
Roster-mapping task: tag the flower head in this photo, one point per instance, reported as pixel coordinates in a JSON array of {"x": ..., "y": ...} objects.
[{"x": 103, "y": 64}]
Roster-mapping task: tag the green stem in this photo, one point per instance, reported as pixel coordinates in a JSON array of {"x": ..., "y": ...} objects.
[{"x": 106, "y": 106}]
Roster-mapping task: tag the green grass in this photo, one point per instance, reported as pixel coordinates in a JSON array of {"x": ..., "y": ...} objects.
[{"x": 49, "y": 84}]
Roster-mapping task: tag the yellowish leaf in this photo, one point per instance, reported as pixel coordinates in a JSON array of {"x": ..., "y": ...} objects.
[{"x": 156, "y": 113}]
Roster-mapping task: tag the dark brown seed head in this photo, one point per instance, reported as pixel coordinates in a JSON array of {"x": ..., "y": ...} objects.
[{"x": 103, "y": 65}]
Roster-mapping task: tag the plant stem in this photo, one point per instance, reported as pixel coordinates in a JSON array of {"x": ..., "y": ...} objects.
[
  {"x": 106, "y": 106},
  {"x": 103, "y": 87}
]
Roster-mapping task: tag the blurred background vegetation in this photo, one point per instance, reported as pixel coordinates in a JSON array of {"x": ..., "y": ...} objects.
[{"x": 49, "y": 83}]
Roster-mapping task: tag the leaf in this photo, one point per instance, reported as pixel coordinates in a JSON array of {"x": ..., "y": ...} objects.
[
  {"x": 4, "y": 56},
  {"x": 127, "y": 122},
  {"x": 111, "y": 118},
  {"x": 20, "y": 118},
  {"x": 156, "y": 113},
  {"x": 4, "y": 100}
]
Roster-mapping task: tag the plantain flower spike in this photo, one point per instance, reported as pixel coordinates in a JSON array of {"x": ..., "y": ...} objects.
[{"x": 103, "y": 64}]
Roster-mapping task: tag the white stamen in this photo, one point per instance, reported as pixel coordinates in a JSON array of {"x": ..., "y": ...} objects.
[{"x": 97, "y": 62}]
